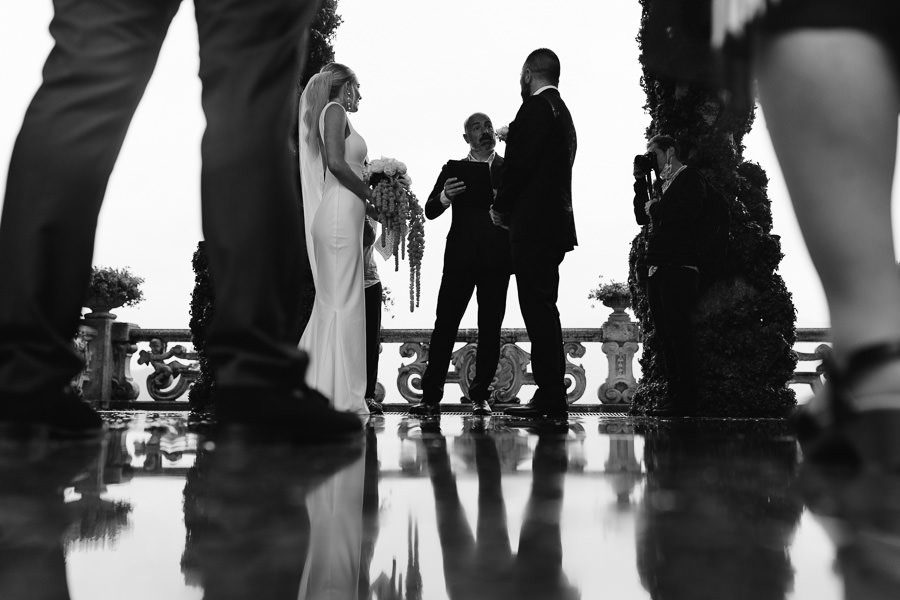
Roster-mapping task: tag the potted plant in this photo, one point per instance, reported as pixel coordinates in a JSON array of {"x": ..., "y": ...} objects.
[
  {"x": 111, "y": 288},
  {"x": 614, "y": 294}
]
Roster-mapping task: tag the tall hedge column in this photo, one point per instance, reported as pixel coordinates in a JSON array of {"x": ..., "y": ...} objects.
[{"x": 744, "y": 326}]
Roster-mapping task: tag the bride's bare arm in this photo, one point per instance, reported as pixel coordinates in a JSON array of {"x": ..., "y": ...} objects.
[{"x": 334, "y": 134}]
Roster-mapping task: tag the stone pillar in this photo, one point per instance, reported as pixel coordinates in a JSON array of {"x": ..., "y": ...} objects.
[
  {"x": 123, "y": 385},
  {"x": 620, "y": 344},
  {"x": 98, "y": 386}
]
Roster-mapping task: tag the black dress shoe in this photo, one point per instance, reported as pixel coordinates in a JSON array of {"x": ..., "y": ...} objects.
[
  {"x": 62, "y": 415},
  {"x": 425, "y": 409},
  {"x": 481, "y": 408},
  {"x": 539, "y": 410},
  {"x": 374, "y": 407},
  {"x": 291, "y": 414}
]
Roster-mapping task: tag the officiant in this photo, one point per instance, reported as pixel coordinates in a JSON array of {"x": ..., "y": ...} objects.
[{"x": 476, "y": 259}]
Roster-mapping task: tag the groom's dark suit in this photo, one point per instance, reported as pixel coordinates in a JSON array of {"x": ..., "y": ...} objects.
[
  {"x": 476, "y": 257},
  {"x": 536, "y": 198}
]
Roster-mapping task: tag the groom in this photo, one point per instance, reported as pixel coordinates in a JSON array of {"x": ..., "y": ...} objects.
[{"x": 535, "y": 203}]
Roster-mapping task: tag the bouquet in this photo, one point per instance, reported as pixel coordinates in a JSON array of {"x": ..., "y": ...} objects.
[{"x": 401, "y": 216}]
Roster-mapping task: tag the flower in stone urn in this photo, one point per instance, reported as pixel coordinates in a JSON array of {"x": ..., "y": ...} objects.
[
  {"x": 614, "y": 294},
  {"x": 111, "y": 288}
]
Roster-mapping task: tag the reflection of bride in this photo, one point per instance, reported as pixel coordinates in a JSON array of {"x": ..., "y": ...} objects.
[
  {"x": 335, "y": 537},
  {"x": 332, "y": 155}
]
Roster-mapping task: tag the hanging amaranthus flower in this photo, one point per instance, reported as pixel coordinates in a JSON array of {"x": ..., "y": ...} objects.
[{"x": 401, "y": 216}]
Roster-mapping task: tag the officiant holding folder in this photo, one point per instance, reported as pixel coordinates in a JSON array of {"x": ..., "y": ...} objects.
[{"x": 476, "y": 259}]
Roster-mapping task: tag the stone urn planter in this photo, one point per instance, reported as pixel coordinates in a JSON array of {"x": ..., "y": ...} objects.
[
  {"x": 613, "y": 294},
  {"x": 106, "y": 372},
  {"x": 101, "y": 308},
  {"x": 620, "y": 335},
  {"x": 617, "y": 302}
]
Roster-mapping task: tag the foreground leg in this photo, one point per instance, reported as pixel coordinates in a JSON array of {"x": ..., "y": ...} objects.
[
  {"x": 831, "y": 100},
  {"x": 73, "y": 130},
  {"x": 249, "y": 64}
]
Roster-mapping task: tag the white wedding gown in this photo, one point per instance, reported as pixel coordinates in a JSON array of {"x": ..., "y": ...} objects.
[
  {"x": 335, "y": 536},
  {"x": 335, "y": 336}
]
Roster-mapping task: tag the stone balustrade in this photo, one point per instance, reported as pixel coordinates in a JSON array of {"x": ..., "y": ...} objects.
[{"x": 110, "y": 348}]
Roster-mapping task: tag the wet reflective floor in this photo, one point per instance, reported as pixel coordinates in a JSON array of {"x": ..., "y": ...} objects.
[{"x": 603, "y": 507}]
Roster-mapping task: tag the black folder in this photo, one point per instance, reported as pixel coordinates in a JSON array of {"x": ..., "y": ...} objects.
[{"x": 477, "y": 177}]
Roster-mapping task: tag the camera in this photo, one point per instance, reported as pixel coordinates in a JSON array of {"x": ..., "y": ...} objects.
[{"x": 645, "y": 162}]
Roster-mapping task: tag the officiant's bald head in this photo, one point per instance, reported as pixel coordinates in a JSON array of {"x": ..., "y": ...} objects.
[
  {"x": 478, "y": 131},
  {"x": 478, "y": 116}
]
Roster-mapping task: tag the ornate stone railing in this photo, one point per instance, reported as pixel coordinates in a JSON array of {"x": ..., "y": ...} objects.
[
  {"x": 109, "y": 348},
  {"x": 812, "y": 378}
]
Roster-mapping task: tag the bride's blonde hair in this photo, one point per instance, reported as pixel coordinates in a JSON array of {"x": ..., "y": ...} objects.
[{"x": 321, "y": 88}]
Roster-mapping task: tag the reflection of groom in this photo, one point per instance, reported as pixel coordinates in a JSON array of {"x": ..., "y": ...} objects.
[
  {"x": 483, "y": 565},
  {"x": 476, "y": 258},
  {"x": 535, "y": 202}
]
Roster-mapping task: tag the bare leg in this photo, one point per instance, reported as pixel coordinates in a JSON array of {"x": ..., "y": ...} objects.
[{"x": 831, "y": 101}]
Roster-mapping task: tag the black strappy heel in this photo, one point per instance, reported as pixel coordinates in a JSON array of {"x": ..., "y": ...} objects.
[{"x": 843, "y": 435}]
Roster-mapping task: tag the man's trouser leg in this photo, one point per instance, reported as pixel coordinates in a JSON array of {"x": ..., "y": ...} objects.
[
  {"x": 673, "y": 301},
  {"x": 453, "y": 298},
  {"x": 373, "y": 336},
  {"x": 537, "y": 280},
  {"x": 249, "y": 65},
  {"x": 104, "y": 53},
  {"x": 490, "y": 292}
]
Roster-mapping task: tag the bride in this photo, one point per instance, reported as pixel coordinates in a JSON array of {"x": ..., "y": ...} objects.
[{"x": 332, "y": 155}]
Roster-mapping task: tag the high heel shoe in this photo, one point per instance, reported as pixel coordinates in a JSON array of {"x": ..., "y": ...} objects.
[{"x": 841, "y": 434}]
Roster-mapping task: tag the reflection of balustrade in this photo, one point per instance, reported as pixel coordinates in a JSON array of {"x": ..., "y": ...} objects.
[{"x": 110, "y": 351}]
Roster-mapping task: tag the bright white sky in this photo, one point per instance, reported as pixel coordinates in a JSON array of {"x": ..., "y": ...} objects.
[{"x": 424, "y": 66}]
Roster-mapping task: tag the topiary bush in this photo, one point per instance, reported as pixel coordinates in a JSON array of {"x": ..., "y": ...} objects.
[
  {"x": 745, "y": 323},
  {"x": 202, "y": 302}
]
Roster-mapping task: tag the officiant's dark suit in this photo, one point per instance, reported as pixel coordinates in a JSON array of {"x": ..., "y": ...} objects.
[
  {"x": 476, "y": 259},
  {"x": 535, "y": 202}
]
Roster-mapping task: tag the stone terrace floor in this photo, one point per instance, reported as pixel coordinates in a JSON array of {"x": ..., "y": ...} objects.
[{"x": 601, "y": 507}]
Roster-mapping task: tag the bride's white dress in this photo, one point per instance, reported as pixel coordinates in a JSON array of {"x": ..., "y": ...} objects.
[
  {"x": 335, "y": 334},
  {"x": 335, "y": 537}
]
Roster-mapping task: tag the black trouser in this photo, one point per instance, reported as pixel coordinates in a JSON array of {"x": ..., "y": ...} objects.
[
  {"x": 672, "y": 293},
  {"x": 537, "y": 279},
  {"x": 453, "y": 298},
  {"x": 104, "y": 54},
  {"x": 373, "y": 336}
]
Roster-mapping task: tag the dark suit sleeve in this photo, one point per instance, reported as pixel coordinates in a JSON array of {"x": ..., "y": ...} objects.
[
  {"x": 528, "y": 135},
  {"x": 433, "y": 206},
  {"x": 641, "y": 197}
]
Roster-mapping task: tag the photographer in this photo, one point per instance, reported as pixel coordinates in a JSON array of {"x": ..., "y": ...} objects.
[{"x": 672, "y": 211}]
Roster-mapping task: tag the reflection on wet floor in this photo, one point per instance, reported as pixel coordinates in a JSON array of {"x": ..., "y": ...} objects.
[{"x": 462, "y": 508}]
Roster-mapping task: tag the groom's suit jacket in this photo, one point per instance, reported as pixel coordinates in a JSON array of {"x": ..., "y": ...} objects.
[
  {"x": 536, "y": 191},
  {"x": 473, "y": 242}
]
